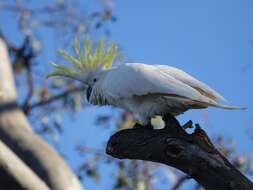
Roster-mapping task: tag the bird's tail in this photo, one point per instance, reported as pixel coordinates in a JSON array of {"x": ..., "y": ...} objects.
[
  {"x": 226, "y": 106},
  {"x": 206, "y": 102}
]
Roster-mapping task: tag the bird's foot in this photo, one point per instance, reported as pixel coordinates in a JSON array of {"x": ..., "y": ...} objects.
[
  {"x": 188, "y": 124},
  {"x": 146, "y": 126},
  {"x": 137, "y": 125}
]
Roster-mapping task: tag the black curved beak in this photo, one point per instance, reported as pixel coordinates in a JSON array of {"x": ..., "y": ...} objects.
[{"x": 88, "y": 93}]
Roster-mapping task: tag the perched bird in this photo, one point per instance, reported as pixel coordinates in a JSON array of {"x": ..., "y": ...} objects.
[
  {"x": 144, "y": 90},
  {"x": 148, "y": 90}
]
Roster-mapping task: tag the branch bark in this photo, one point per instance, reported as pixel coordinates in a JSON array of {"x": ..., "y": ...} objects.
[
  {"x": 193, "y": 154},
  {"x": 17, "y": 134},
  {"x": 13, "y": 170}
]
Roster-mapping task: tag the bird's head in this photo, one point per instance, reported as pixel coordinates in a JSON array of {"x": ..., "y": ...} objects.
[{"x": 88, "y": 65}]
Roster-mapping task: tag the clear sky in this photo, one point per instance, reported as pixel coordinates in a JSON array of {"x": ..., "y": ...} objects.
[
  {"x": 212, "y": 40},
  {"x": 209, "y": 39}
]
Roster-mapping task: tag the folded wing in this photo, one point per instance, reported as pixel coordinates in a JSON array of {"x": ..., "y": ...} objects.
[
  {"x": 135, "y": 79},
  {"x": 191, "y": 81}
]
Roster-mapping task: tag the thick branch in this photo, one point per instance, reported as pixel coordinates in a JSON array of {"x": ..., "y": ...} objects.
[
  {"x": 13, "y": 170},
  {"x": 17, "y": 134},
  {"x": 193, "y": 154}
]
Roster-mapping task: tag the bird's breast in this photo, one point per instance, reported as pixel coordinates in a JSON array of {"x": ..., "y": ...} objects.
[{"x": 98, "y": 97}]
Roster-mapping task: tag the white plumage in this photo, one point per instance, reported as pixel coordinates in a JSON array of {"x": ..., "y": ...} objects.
[{"x": 149, "y": 90}]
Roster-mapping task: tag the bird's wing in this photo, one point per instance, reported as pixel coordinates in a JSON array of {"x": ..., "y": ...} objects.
[
  {"x": 131, "y": 79},
  {"x": 191, "y": 81}
]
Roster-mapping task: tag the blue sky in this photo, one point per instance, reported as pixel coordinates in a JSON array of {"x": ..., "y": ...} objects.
[
  {"x": 212, "y": 40},
  {"x": 209, "y": 39}
]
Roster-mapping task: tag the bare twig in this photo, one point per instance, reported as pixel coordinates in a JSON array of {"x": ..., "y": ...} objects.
[
  {"x": 180, "y": 181},
  {"x": 54, "y": 98},
  {"x": 30, "y": 88}
]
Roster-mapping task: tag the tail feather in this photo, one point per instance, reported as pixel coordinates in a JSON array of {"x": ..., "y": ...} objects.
[
  {"x": 227, "y": 106},
  {"x": 205, "y": 103}
]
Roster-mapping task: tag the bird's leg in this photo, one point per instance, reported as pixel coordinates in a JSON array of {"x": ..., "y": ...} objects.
[
  {"x": 144, "y": 122},
  {"x": 147, "y": 125},
  {"x": 137, "y": 125},
  {"x": 188, "y": 124}
]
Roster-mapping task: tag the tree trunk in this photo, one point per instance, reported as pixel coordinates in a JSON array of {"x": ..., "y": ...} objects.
[
  {"x": 17, "y": 134},
  {"x": 193, "y": 154}
]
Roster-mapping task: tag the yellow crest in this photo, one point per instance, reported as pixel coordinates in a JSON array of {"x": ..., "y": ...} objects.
[{"x": 86, "y": 58}]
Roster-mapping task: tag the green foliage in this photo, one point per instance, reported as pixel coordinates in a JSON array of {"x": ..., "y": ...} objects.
[{"x": 91, "y": 57}]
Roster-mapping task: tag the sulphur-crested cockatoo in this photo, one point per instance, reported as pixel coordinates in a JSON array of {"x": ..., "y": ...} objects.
[{"x": 144, "y": 90}]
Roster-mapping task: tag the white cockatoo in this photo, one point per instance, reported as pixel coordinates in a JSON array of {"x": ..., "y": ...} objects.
[{"x": 142, "y": 89}]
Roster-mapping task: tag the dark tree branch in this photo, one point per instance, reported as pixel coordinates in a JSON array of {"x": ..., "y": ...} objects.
[
  {"x": 179, "y": 182},
  {"x": 30, "y": 88},
  {"x": 53, "y": 98},
  {"x": 193, "y": 154}
]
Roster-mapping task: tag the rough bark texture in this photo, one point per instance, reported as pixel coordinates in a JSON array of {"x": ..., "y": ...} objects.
[
  {"x": 193, "y": 154},
  {"x": 17, "y": 134}
]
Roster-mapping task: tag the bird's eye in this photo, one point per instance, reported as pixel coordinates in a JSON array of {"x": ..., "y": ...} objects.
[{"x": 94, "y": 80}]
